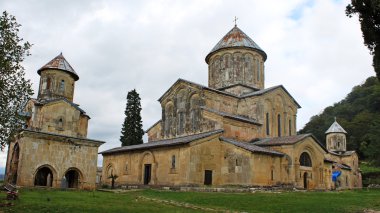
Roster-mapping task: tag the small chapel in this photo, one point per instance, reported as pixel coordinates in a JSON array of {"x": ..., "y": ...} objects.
[
  {"x": 53, "y": 150},
  {"x": 234, "y": 131}
]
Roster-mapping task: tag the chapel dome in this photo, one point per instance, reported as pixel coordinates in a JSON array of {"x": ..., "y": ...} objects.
[
  {"x": 336, "y": 128},
  {"x": 236, "y": 38},
  {"x": 60, "y": 63}
]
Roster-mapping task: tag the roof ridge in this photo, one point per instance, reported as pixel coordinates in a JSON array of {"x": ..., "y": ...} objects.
[
  {"x": 229, "y": 115},
  {"x": 250, "y": 147},
  {"x": 46, "y": 101},
  {"x": 165, "y": 142}
]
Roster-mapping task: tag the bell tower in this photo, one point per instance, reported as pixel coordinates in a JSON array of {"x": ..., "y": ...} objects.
[
  {"x": 57, "y": 80},
  {"x": 336, "y": 138},
  {"x": 236, "y": 60}
]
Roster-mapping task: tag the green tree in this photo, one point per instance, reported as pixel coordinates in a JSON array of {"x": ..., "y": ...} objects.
[
  {"x": 132, "y": 132},
  {"x": 369, "y": 17},
  {"x": 15, "y": 90}
]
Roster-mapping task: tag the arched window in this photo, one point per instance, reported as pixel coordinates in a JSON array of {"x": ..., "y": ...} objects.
[
  {"x": 279, "y": 125},
  {"x": 173, "y": 161},
  {"x": 290, "y": 127},
  {"x": 267, "y": 122},
  {"x": 305, "y": 160},
  {"x": 62, "y": 86},
  {"x": 60, "y": 124}
]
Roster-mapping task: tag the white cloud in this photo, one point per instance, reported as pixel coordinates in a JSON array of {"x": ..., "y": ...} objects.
[
  {"x": 313, "y": 49},
  {"x": 3, "y": 158}
]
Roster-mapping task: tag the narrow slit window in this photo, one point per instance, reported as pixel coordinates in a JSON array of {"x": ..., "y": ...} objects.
[
  {"x": 267, "y": 122},
  {"x": 173, "y": 162},
  {"x": 60, "y": 123},
  {"x": 62, "y": 86},
  {"x": 48, "y": 82},
  {"x": 279, "y": 125},
  {"x": 272, "y": 174},
  {"x": 258, "y": 69}
]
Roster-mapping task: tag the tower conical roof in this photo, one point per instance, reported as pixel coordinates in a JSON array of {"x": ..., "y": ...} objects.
[
  {"x": 336, "y": 128},
  {"x": 59, "y": 63},
  {"x": 236, "y": 38}
]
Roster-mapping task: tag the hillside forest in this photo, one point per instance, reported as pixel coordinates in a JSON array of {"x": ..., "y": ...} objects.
[{"x": 359, "y": 114}]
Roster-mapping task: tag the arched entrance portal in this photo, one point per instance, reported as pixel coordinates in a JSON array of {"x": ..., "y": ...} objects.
[
  {"x": 14, "y": 164},
  {"x": 305, "y": 180},
  {"x": 72, "y": 177},
  {"x": 148, "y": 168},
  {"x": 44, "y": 177}
]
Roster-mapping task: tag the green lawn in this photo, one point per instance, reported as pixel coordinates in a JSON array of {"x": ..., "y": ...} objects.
[{"x": 39, "y": 200}]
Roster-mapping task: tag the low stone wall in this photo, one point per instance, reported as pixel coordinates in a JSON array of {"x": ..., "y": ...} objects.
[{"x": 225, "y": 189}]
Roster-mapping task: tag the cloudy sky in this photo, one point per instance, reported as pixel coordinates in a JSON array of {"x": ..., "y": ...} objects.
[{"x": 313, "y": 49}]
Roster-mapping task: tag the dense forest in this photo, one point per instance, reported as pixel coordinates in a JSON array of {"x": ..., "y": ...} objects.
[{"x": 359, "y": 115}]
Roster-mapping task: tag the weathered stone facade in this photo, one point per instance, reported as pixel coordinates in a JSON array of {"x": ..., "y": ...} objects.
[
  {"x": 53, "y": 150},
  {"x": 233, "y": 132}
]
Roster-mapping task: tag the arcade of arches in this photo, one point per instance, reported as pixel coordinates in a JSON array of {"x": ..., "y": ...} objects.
[{"x": 46, "y": 176}]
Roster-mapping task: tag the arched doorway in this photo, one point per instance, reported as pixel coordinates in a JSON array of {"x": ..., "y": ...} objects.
[
  {"x": 147, "y": 168},
  {"x": 14, "y": 164},
  {"x": 72, "y": 178},
  {"x": 44, "y": 177},
  {"x": 305, "y": 180}
]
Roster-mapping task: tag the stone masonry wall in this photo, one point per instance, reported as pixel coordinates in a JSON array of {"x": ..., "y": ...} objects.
[{"x": 59, "y": 155}]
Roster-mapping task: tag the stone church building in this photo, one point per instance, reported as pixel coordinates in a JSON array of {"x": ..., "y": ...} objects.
[
  {"x": 234, "y": 131},
  {"x": 53, "y": 149}
]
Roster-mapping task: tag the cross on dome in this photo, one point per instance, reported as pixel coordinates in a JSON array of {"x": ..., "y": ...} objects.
[{"x": 235, "y": 19}]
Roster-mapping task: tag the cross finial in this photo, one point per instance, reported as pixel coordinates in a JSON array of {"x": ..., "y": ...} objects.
[
  {"x": 235, "y": 19},
  {"x": 335, "y": 119}
]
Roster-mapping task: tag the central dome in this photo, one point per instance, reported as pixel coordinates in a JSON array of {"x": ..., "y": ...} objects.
[
  {"x": 236, "y": 63},
  {"x": 236, "y": 38}
]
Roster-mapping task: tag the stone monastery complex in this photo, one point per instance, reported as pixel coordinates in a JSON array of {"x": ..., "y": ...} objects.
[{"x": 232, "y": 132}]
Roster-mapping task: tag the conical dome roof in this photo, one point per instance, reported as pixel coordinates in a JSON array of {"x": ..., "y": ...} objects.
[
  {"x": 336, "y": 128},
  {"x": 236, "y": 38},
  {"x": 60, "y": 63}
]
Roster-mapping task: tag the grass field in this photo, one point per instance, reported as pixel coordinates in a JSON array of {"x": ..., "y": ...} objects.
[{"x": 41, "y": 200}]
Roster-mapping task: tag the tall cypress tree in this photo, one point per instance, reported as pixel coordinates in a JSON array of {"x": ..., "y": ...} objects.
[{"x": 132, "y": 132}]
